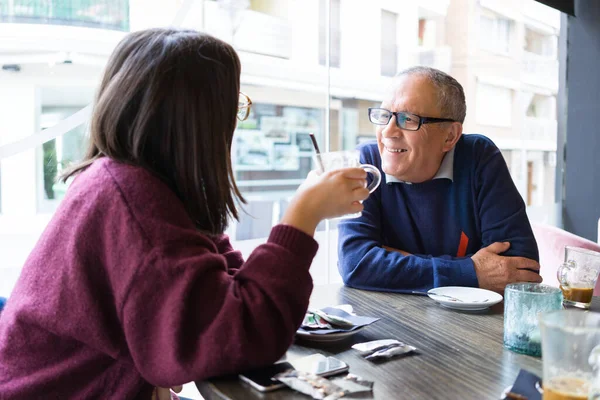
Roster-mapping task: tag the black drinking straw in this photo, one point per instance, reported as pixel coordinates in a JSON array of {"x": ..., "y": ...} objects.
[{"x": 316, "y": 146}]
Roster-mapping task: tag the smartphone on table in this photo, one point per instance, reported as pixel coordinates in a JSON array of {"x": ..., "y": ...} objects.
[{"x": 262, "y": 378}]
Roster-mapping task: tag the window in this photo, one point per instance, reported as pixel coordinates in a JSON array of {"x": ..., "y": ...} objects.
[
  {"x": 272, "y": 154},
  {"x": 494, "y": 33},
  {"x": 494, "y": 105},
  {"x": 334, "y": 31},
  {"x": 427, "y": 32},
  {"x": 56, "y": 155},
  {"x": 105, "y": 14},
  {"x": 541, "y": 170},
  {"x": 389, "y": 46},
  {"x": 282, "y": 47},
  {"x": 540, "y": 44},
  {"x": 542, "y": 106},
  {"x": 261, "y": 27}
]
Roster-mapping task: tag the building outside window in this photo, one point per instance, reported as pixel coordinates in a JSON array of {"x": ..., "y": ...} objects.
[
  {"x": 389, "y": 46},
  {"x": 335, "y": 34},
  {"x": 282, "y": 48},
  {"x": 105, "y": 14},
  {"x": 494, "y": 33},
  {"x": 56, "y": 155},
  {"x": 494, "y": 105}
]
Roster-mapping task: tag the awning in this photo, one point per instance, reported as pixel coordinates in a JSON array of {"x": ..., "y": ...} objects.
[{"x": 566, "y": 6}]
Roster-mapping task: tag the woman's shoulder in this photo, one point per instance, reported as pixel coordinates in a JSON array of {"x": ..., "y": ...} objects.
[
  {"x": 111, "y": 186},
  {"x": 107, "y": 180}
]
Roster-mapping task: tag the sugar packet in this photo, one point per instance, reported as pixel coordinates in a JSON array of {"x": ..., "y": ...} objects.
[
  {"x": 382, "y": 349},
  {"x": 367, "y": 348},
  {"x": 389, "y": 352},
  {"x": 310, "y": 384},
  {"x": 353, "y": 384},
  {"x": 314, "y": 321},
  {"x": 322, "y": 388}
]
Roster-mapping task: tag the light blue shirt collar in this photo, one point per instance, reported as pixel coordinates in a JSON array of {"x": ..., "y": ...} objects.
[{"x": 446, "y": 170}]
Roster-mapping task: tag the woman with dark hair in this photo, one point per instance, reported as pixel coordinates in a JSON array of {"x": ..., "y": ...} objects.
[{"x": 133, "y": 284}]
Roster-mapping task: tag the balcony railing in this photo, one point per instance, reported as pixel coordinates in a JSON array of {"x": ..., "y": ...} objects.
[
  {"x": 437, "y": 57},
  {"x": 540, "y": 71},
  {"x": 104, "y": 14},
  {"x": 540, "y": 129},
  {"x": 249, "y": 30},
  {"x": 439, "y": 7}
]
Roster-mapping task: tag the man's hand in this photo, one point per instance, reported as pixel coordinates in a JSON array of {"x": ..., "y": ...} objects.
[{"x": 494, "y": 271}]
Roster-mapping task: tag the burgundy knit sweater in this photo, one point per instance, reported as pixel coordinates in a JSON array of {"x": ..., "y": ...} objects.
[{"x": 122, "y": 293}]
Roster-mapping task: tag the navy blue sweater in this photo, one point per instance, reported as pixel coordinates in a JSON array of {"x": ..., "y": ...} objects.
[{"x": 440, "y": 222}]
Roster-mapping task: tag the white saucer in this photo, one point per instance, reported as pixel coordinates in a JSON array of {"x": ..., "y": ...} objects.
[
  {"x": 330, "y": 337},
  {"x": 464, "y": 298}
]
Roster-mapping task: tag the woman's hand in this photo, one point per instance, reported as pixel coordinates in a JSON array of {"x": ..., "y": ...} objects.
[{"x": 328, "y": 195}]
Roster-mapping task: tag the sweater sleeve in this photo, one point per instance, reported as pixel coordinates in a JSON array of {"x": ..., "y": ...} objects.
[
  {"x": 501, "y": 208},
  {"x": 365, "y": 264},
  {"x": 234, "y": 257},
  {"x": 186, "y": 318}
]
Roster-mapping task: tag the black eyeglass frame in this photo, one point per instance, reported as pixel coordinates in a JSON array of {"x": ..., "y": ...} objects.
[{"x": 422, "y": 120}]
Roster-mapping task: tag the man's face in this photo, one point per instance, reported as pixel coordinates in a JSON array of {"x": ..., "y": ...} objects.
[{"x": 412, "y": 156}]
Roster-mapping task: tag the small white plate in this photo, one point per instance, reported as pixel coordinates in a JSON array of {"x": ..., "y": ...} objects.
[
  {"x": 330, "y": 337},
  {"x": 464, "y": 298}
]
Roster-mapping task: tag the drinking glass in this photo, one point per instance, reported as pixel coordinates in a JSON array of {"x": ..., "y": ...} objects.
[
  {"x": 571, "y": 347},
  {"x": 522, "y": 303},
  {"x": 344, "y": 159},
  {"x": 578, "y": 276}
]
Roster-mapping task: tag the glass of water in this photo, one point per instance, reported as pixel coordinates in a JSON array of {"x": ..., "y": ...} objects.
[{"x": 522, "y": 304}]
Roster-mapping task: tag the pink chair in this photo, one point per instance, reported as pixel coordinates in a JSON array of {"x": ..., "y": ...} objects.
[{"x": 551, "y": 243}]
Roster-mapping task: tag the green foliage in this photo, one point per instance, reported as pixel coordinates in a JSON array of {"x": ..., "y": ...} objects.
[
  {"x": 108, "y": 14},
  {"x": 50, "y": 167}
]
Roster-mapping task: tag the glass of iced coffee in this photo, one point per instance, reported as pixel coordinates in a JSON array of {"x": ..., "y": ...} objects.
[
  {"x": 578, "y": 276},
  {"x": 571, "y": 349}
]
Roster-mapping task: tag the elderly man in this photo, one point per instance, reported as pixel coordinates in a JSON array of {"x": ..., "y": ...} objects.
[{"x": 448, "y": 212}]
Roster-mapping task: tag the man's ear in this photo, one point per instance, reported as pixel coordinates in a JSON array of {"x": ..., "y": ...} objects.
[{"x": 453, "y": 134}]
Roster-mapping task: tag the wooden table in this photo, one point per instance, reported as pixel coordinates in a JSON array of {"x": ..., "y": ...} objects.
[{"x": 460, "y": 354}]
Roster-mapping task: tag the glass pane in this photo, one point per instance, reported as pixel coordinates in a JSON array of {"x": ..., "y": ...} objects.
[
  {"x": 389, "y": 46},
  {"x": 20, "y": 222},
  {"x": 104, "y": 14},
  {"x": 58, "y": 154},
  {"x": 511, "y": 97},
  {"x": 272, "y": 151},
  {"x": 272, "y": 154}
]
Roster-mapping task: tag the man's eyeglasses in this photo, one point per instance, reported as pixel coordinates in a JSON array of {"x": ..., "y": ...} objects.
[
  {"x": 404, "y": 120},
  {"x": 244, "y": 105}
]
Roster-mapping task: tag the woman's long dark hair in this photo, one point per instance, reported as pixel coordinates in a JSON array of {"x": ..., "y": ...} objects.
[{"x": 168, "y": 103}]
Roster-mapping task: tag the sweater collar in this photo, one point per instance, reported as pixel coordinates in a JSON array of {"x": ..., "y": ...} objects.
[{"x": 446, "y": 170}]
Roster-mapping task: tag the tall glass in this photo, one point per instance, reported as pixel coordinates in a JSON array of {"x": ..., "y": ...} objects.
[
  {"x": 522, "y": 303},
  {"x": 343, "y": 159},
  {"x": 571, "y": 347},
  {"x": 578, "y": 276}
]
